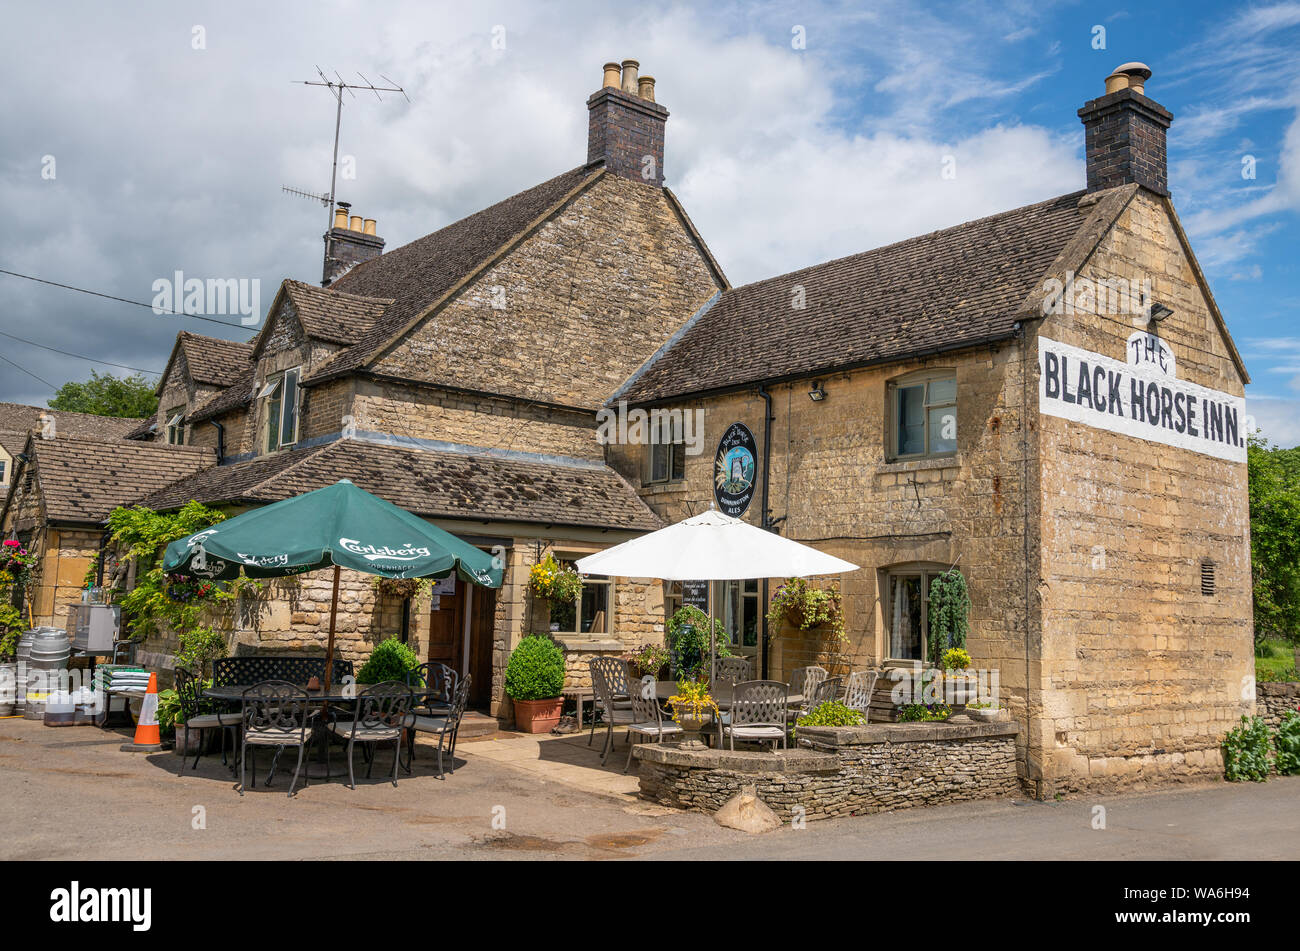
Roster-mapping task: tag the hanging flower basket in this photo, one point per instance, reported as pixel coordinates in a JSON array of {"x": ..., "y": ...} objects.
[{"x": 550, "y": 580}]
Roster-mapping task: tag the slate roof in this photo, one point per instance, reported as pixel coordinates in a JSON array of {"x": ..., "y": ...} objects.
[
  {"x": 18, "y": 420},
  {"x": 941, "y": 291},
  {"x": 418, "y": 274},
  {"x": 83, "y": 480},
  {"x": 334, "y": 316},
  {"x": 236, "y": 396},
  {"x": 211, "y": 360},
  {"x": 430, "y": 483}
]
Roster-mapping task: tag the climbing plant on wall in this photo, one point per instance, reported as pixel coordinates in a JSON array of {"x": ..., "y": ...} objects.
[
  {"x": 949, "y": 611},
  {"x": 166, "y": 602}
]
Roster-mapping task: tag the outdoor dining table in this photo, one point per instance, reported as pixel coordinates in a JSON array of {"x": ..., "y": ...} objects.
[
  {"x": 721, "y": 694},
  {"x": 340, "y": 693}
]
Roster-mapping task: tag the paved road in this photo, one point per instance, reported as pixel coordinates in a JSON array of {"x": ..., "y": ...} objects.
[{"x": 70, "y": 793}]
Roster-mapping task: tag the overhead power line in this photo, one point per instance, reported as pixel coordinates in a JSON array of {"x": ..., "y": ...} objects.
[
  {"x": 125, "y": 300},
  {"x": 28, "y": 372},
  {"x": 68, "y": 353}
]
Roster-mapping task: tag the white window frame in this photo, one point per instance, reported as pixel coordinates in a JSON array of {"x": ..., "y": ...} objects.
[
  {"x": 175, "y": 427},
  {"x": 275, "y": 437}
]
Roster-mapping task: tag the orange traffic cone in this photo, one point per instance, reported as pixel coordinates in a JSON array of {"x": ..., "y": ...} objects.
[{"x": 147, "y": 739}]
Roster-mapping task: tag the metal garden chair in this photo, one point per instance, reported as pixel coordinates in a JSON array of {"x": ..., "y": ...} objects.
[
  {"x": 440, "y": 680},
  {"x": 191, "y": 703},
  {"x": 828, "y": 689},
  {"x": 732, "y": 670},
  {"x": 275, "y": 714},
  {"x": 857, "y": 695},
  {"x": 445, "y": 726},
  {"x": 382, "y": 711},
  {"x": 609, "y": 682},
  {"x": 757, "y": 714},
  {"x": 647, "y": 717}
]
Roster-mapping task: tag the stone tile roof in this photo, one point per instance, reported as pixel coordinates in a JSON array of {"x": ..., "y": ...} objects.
[
  {"x": 430, "y": 483},
  {"x": 416, "y": 275},
  {"x": 940, "y": 291},
  {"x": 83, "y": 480},
  {"x": 331, "y": 315},
  {"x": 212, "y": 360},
  {"x": 236, "y": 396},
  {"x": 18, "y": 420}
]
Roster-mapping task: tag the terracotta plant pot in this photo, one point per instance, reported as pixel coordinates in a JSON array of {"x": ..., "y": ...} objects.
[{"x": 538, "y": 716}]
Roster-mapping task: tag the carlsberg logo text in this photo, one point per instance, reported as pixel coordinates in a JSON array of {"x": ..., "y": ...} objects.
[{"x": 373, "y": 553}]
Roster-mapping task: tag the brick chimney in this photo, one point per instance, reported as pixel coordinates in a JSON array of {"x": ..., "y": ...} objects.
[
  {"x": 1125, "y": 133},
  {"x": 350, "y": 242},
  {"x": 625, "y": 126}
]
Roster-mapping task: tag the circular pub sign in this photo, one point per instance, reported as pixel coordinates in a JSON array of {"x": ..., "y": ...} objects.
[{"x": 734, "y": 469}]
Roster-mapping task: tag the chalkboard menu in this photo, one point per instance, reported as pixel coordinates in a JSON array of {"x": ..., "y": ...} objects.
[{"x": 695, "y": 594}]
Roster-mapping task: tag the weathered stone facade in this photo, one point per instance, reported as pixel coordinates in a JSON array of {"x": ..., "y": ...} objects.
[
  {"x": 842, "y": 771},
  {"x": 1101, "y": 657}
]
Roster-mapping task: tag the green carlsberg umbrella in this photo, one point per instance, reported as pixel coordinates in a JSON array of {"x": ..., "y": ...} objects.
[{"x": 339, "y": 525}]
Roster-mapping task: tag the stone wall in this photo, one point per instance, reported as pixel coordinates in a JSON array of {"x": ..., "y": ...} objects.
[
  {"x": 1140, "y": 674},
  {"x": 833, "y": 484},
  {"x": 842, "y": 771},
  {"x": 569, "y": 313},
  {"x": 487, "y": 421},
  {"x": 1272, "y": 700}
]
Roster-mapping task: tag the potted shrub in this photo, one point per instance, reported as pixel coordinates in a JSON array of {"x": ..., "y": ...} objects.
[
  {"x": 693, "y": 709},
  {"x": 534, "y": 680},
  {"x": 390, "y": 660},
  {"x": 959, "y": 686},
  {"x": 648, "y": 659}
]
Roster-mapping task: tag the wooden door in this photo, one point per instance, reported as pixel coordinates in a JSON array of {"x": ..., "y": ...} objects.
[
  {"x": 482, "y": 627},
  {"x": 447, "y": 627}
]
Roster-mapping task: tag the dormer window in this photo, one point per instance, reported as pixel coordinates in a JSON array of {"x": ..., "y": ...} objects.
[
  {"x": 280, "y": 393},
  {"x": 176, "y": 426}
]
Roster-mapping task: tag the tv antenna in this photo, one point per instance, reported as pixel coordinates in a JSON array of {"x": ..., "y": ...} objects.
[{"x": 337, "y": 86}]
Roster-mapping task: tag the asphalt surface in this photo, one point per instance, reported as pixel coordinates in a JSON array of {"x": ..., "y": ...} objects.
[{"x": 71, "y": 794}]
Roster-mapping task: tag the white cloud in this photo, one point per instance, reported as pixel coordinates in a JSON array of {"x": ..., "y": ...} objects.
[{"x": 1277, "y": 418}]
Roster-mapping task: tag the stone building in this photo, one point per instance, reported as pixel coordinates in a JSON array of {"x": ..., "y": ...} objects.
[
  {"x": 1046, "y": 399},
  {"x": 63, "y": 492}
]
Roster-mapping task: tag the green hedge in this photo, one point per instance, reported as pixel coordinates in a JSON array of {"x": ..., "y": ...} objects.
[{"x": 390, "y": 660}]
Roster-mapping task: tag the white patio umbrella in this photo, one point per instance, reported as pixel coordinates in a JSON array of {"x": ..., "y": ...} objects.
[{"x": 712, "y": 547}]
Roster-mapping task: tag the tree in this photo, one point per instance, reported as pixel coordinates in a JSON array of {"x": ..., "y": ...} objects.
[
  {"x": 107, "y": 395},
  {"x": 1275, "y": 538}
]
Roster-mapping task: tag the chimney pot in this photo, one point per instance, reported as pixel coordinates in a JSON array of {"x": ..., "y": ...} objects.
[
  {"x": 1129, "y": 76},
  {"x": 370, "y": 226},
  {"x": 1125, "y": 134},
  {"x": 625, "y": 126},
  {"x": 630, "y": 67},
  {"x": 355, "y": 224},
  {"x": 341, "y": 217}
]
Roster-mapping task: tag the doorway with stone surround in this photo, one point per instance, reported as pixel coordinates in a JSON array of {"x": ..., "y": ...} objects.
[{"x": 460, "y": 635}]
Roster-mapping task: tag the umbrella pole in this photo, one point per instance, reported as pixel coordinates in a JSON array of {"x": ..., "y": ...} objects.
[
  {"x": 329, "y": 649},
  {"x": 713, "y": 642}
]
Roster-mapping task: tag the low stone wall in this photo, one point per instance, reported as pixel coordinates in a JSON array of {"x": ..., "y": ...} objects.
[
  {"x": 842, "y": 771},
  {"x": 1274, "y": 699}
]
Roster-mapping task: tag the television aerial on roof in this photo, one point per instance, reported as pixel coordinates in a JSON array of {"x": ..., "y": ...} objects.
[{"x": 337, "y": 86}]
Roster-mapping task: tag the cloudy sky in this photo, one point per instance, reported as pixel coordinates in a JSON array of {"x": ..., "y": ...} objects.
[{"x": 141, "y": 139}]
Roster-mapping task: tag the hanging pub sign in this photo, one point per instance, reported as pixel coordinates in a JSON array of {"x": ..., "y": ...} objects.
[
  {"x": 1141, "y": 398},
  {"x": 733, "y": 470},
  {"x": 695, "y": 594}
]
